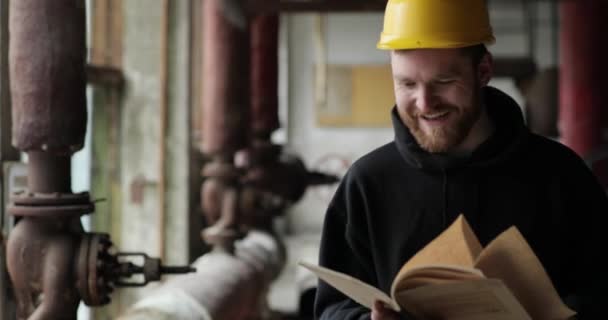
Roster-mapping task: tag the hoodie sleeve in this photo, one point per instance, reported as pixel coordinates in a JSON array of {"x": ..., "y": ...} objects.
[
  {"x": 344, "y": 248},
  {"x": 587, "y": 206}
]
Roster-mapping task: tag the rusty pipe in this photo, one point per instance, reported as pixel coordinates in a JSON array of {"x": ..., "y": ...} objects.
[
  {"x": 48, "y": 79},
  {"x": 47, "y": 70},
  {"x": 225, "y": 287},
  {"x": 39, "y": 254}
]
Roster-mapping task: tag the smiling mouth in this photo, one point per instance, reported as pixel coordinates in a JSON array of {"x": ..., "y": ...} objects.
[{"x": 435, "y": 116}]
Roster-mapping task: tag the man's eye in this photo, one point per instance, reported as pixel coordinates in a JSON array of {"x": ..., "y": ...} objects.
[
  {"x": 409, "y": 84},
  {"x": 445, "y": 81}
]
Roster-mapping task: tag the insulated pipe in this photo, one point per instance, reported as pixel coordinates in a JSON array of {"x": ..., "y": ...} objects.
[
  {"x": 264, "y": 75},
  {"x": 48, "y": 79},
  {"x": 225, "y": 286}
]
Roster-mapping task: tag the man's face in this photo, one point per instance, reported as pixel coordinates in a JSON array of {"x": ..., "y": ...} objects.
[{"x": 437, "y": 93}]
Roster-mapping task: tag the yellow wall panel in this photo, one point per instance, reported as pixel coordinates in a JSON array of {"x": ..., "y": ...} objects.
[{"x": 355, "y": 96}]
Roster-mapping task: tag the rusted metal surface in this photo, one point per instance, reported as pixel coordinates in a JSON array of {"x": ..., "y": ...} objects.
[
  {"x": 58, "y": 205},
  {"x": 272, "y": 180},
  {"x": 52, "y": 262},
  {"x": 47, "y": 70},
  {"x": 248, "y": 181},
  {"x": 92, "y": 281},
  {"x": 224, "y": 287},
  {"x": 40, "y": 259},
  {"x": 264, "y": 74},
  {"x": 42, "y": 246},
  {"x": 99, "y": 270}
]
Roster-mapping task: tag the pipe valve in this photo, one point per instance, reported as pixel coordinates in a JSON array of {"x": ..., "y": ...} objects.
[{"x": 100, "y": 270}]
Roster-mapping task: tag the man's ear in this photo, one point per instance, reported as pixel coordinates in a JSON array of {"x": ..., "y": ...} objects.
[{"x": 485, "y": 69}]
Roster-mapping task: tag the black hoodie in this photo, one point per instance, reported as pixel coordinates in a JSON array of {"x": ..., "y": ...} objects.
[{"x": 397, "y": 198}]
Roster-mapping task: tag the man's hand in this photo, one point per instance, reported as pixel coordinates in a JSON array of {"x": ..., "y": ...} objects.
[{"x": 380, "y": 312}]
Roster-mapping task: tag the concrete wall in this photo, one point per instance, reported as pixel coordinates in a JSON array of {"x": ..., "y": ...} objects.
[
  {"x": 139, "y": 150},
  {"x": 350, "y": 39}
]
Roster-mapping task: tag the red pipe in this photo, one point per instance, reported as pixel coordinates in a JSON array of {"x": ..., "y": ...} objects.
[
  {"x": 583, "y": 52},
  {"x": 264, "y": 75},
  {"x": 225, "y": 102},
  {"x": 583, "y": 82},
  {"x": 225, "y": 112}
]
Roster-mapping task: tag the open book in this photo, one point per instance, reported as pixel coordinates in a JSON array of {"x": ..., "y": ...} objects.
[{"x": 454, "y": 278}]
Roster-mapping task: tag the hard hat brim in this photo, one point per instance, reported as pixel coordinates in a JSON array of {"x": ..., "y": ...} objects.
[{"x": 388, "y": 42}]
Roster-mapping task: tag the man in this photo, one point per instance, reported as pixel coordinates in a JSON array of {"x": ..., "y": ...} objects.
[{"x": 460, "y": 147}]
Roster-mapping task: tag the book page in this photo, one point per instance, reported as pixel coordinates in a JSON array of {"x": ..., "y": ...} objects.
[
  {"x": 510, "y": 258},
  {"x": 484, "y": 299},
  {"x": 437, "y": 274},
  {"x": 457, "y": 245},
  {"x": 359, "y": 291}
]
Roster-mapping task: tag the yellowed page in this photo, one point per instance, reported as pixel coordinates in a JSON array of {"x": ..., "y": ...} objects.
[
  {"x": 359, "y": 291},
  {"x": 437, "y": 274},
  {"x": 485, "y": 299},
  {"x": 457, "y": 245},
  {"x": 510, "y": 258}
]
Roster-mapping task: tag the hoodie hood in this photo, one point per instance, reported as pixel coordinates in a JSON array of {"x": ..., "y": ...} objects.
[{"x": 509, "y": 135}]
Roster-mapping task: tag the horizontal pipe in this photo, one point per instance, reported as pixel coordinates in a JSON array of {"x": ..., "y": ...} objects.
[{"x": 225, "y": 286}]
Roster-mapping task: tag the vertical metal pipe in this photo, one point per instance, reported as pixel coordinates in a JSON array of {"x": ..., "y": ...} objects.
[
  {"x": 264, "y": 75},
  {"x": 583, "y": 80},
  {"x": 47, "y": 70},
  {"x": 225, "y": 78},
  {"x": 225, "y": 112},
  {"x": 48, "y": 173}
]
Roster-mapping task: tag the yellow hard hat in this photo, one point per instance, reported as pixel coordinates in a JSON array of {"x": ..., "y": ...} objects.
[{"x": 417, "y": 24}]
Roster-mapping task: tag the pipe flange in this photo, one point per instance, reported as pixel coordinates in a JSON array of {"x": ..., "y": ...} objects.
[
  {"x": 93, "y": 262},
  {"x": 222, "y": 237},
  {"x": 50, "y": 211},
  {"x": 221, "y": 170},
  {"x": 29, "y": 204},
  {"x": 24, "y": 198},
  {"x": 261, "y": 153}
]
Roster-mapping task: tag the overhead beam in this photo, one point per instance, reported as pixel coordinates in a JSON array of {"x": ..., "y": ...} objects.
[{"x": 274, "y": 6}]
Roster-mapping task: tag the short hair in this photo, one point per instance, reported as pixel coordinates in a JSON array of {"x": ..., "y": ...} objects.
[{"x": 476, "y": 52}]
